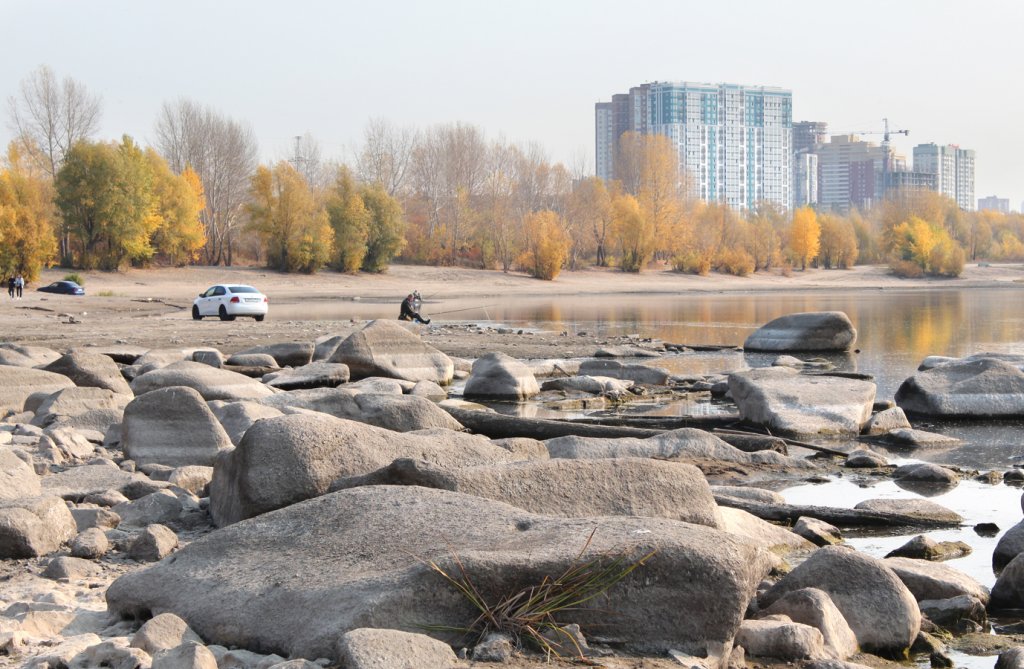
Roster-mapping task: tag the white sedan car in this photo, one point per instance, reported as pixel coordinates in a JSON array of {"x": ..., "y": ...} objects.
[{"x": 228, "y": 300}]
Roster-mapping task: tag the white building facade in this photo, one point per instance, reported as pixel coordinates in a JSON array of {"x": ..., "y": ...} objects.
[
  {"x": 734, "y": 142},
  {"x": 953, "y": 169}
]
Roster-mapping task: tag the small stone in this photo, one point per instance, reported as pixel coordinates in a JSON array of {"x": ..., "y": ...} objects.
[
  {"x": 154, "y": 543},
  {"x": 164, "y": 632},
  {"x": 90, "y": 544},
  {"x": 494, "y": 648},
  {"x": 818, "y": 532},
  {"x": 70, "y": 569},
  {"x": 189, "y": 655}
]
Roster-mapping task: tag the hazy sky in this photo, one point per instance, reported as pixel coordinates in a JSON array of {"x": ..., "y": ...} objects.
[{"x": 532, "y": 71}]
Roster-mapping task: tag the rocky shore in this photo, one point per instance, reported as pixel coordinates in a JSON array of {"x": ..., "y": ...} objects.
[{"x": 325, "y": 503}]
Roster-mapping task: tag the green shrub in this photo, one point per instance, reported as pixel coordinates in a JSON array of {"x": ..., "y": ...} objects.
[{"x": 76, "y": 277}]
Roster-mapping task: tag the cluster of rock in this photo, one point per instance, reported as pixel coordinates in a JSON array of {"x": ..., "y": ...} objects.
[{"x": 300, "y": 504}]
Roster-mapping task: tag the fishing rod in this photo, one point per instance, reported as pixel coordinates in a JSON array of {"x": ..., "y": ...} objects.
[{"x": 453, "y": 311}]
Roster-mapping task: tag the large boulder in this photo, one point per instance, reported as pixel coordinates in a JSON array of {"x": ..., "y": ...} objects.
[
  {"x": 173, "y": 427},
  {"x": 286, "y": 354},
  {"x": 811, "y": 331},
  {"x": 1008, "y": 591},
  {"x": 17, "y": 478},
  {"x": 285, "y": 460},
  {"x": 210, "y": 382},
  {"x": 497, "y": 376},
  {"x": 73, "y": 402},
  {"x": 386, "y": 348},
  {"x": 914, "y": 508},
  {"x": 876, "y": 604},
  {"x": 30, "y": 527},
  {"x": 788, "y": 402},
  {"x": 20, "y": 355},
  {"x": 614, "y": 487},
  {"x": 981, "y": 388},
  {"x": 686, "y": 444},
  {"x": 313, "y": 375},
  {"x": 294, "y": 581},
  {"x": 18, "y": 383},
  {"x": 401, "y": 413},
  {"x": 1010, "y": 545},
  {"x": 91, "y": 370}
]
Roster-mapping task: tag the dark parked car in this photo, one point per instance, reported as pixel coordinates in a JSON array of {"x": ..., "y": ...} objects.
[{"x": 63, "y": 288}]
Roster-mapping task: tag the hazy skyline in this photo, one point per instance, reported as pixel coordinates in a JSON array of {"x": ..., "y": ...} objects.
[{"x": 532, "y": 71}]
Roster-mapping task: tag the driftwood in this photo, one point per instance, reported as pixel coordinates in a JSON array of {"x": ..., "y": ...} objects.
[
  {"x": 500, "y": 426},
  {"x": 702, "y": 347},
  {"x": 662, "y": 422},
  {"x": 721, "y": 432},
  {"x": 790, "y": 513},
  {"x": 751, "y": 443}
]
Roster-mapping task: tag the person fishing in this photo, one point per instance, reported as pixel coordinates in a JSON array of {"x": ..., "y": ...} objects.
[{"x": 410, "y": 306}]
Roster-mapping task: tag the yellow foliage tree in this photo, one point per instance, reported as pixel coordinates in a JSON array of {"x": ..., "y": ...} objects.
[
  {"x": 838, "y": 247},
  {"x": 294, "y": 229},
  {"x": 920, "y": 246},
  {"x": 180, "y": 233},
  {"x": 633, "y": 233},
  {"x": 27, "y": 241},
  {"x": 547, "y": 244},
  {"x": 804, "y": 236}
]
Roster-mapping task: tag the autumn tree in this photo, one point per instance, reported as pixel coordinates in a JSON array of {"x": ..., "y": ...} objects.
[
  {"x": 923, "y": 247},
  {"x": 546, "y": 245},
  {"x": 350, "y": 221},
  {"x": 804, "y": 236},
  {"x": 179, "y": 234},
  {"x": 386, "y": 232},
  {"x": 223, "y": 152},
  {"x": 766, "y": 221},
  {"x": 632, "y": 233},
  {"x": 386, "y": 155},
  {"x": 27, "y": 242},
  {"x": 590, "y": 206},
  {"x": 838, "y": 243},
  {"x": 107, "y": 201},
  {"x": 500, "y": 235},
  {"x": 293, "y": 228}
]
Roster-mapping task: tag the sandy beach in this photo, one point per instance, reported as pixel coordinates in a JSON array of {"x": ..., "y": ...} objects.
[{"x": 150, "y": 308}]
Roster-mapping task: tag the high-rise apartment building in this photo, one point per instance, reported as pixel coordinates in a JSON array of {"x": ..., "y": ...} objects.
[
  {"x": 734, "y": 143},
  {"x": 848, "y": 173},
  {"x": 953, "y": 169},
  {"x": 807, "y": 136},
  {"x": 993, "y": 203}
]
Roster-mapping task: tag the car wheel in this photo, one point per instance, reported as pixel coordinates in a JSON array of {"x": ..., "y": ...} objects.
[
  {"x": 195, "y": 313},
  {"x": 259, "y": 319},
  {"x": 223, "y": 313}
]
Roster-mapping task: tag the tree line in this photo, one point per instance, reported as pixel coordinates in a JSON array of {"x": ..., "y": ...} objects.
[{"x": 441, "y": 195}]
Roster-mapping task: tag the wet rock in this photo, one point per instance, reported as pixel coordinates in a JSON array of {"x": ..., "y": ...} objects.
[
  {"x": 163, "y": 632},
  {"x": 926, "y": 472},
  {"x": 811, "y": 331},
  {"x": 818, "y": 532},
  {"x": 498, "y": 376},
  {"x": 30, "y": 527},
  {"x": 284, "y": 460},
  {"x": 386, "y": 348},
  {"x": 983, "y": 388},
  {"x": 313, "y": 375},
  {"x": 93, "y": 370},
  {"x": 593, "y": 385},
  {"x": 366, "y": 648},
  {"x": 615, "y": 487},
  {"x": 17, "y": 478},
  {"x": 173, "y": 427},
  {"x": 90, "y": 544},
  {"x": 284, "y": 354},
  {"x": 923, "y": 547},
  {"x": 886, "y": 421},
  {"x": 865, "y": 459},
  {"x": 1010, "y": 545},
  {"x": 781, "y": 639},
  {"x": 18, "y": 383},
  {"x": 652, "y": 376},
  {"x": 948, "y": 613},
  {"x": 154, "y": 543},
  {"x": 919, "y": 439},
  {"x": 189, "y": 655},
  {"x": 927, "y": 580},
  {"x": 209, "y": 382},
  {"x": 70, "y": 569},
  {"x": 916, "y": 508},
  {"x": 876, "y": 604},
  {"x": 274, "y": 592},
  {"x": 789, "y": 403},
  {"x": 814, "y": 607}
]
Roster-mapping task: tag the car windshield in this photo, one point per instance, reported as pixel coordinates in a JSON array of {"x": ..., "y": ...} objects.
[{"x": 242, "y": 289}]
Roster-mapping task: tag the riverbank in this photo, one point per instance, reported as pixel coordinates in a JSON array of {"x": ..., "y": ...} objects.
[{"x": 150, "y": 308}]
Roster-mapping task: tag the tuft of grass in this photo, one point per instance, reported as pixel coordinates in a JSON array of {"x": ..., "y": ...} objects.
[
  {"x": 107, "y": 293},
  {"x": 528, "y": 615},
  {"x": 76, "y": 277}
]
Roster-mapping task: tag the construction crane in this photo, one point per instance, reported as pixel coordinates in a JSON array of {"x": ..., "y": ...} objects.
[{"x": 886, "y": 133}]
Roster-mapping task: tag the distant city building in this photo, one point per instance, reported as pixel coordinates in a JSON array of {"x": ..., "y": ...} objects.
[
  {"x": 993, "y": 203},
  {"x": 807, "y": 136},
  {"x": 953, "y": 169},
  {"x": 734, "y": 143},
  {"x": 850, "y": 173}
]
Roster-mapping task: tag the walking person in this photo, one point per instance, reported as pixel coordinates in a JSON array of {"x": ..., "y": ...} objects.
[
  {"x": 19, "y": 285},
  {"x": 10, "y": 286}
]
